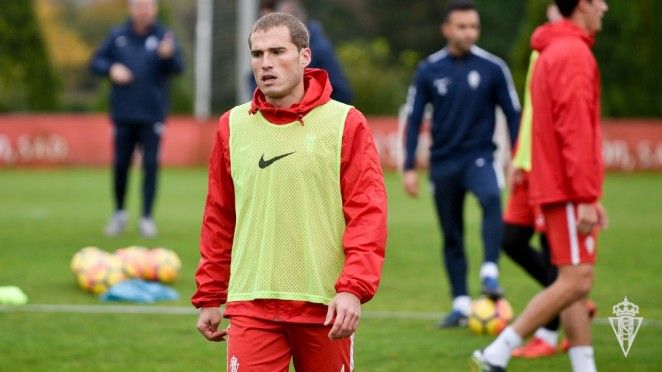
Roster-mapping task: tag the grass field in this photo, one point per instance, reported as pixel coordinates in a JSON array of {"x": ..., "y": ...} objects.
[{"x": 47, "y": 215}]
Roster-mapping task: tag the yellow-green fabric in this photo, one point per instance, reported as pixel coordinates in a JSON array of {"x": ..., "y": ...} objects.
[
  {"x": 289, "y": 216},
  {"x": 522, "y": 157}
]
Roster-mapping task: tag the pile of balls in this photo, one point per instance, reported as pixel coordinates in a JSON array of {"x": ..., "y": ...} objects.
[{"x": 96, "y": 270}]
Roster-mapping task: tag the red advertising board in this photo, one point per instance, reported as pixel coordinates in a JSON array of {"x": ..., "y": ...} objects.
[{"x": 85, "y": 140}]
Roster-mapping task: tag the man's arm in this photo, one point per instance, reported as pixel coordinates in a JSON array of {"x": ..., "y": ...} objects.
[
  {"x": 364, "y": 240},
  {"x": 171, "y": 54},
  {"x": 213, "y": 274},
  {"x": 507, "y": 99},
  {"x": 417, "y": 97},
  {"x": 575, "y": 126},
  {"x": 102, "y": 58}
]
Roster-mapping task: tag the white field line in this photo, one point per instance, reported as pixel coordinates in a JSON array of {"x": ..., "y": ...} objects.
[{"x": 180, "y": 310}]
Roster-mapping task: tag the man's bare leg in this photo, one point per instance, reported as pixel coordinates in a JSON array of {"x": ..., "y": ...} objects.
[
  {"x": 577, "y": 327},
  {"x": 572, "y": 285}
]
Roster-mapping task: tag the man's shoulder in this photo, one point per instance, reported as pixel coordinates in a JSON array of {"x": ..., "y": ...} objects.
[
  {"x": 436, "y": 58},
  {"x": 567, "y": 48},
  {"x": 246, "y": 106},
  {"x": 568, "y": 55},
  {"x": 120, "y": 29},
  {"x": 433, "y": 62},
  {"x": 489, "y": 59}
]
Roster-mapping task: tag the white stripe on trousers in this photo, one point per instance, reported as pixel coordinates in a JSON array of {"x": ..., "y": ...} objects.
[
  {"x": 498, "y": 172},
  {"x": 351, "y": 353},
  {"x": 572, "y": 232}
]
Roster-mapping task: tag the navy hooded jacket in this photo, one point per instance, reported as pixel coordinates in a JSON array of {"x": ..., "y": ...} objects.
[{"x": 145, "y": 99}]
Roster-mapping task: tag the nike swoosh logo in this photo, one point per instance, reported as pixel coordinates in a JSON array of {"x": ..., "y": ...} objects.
[{"x": 265, "y": 163}]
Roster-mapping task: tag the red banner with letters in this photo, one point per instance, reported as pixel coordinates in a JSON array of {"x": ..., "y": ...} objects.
[{"x": 85, "y": 140}]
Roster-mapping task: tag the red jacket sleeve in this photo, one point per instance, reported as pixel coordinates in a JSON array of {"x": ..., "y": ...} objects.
[
  {"x": 577, "y": 123},
  {"x": 213, "y": 274},
  {"x": 364, "y": 207}
]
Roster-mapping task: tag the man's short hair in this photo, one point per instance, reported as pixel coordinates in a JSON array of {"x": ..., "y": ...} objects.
[
  {"x": 298, "y": 31},
  {"x": 566, "y": 7},
  {"x": 457, "y": 5}
]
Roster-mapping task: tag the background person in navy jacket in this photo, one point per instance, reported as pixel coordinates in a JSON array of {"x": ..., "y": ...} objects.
[
  {"x": 138, "y": 57},
  {"x": 464, "y": 84}
]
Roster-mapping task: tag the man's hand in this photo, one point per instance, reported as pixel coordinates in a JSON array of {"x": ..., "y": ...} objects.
[
  {"x": 167, "y": 46},
  {"x": 120, "y": 74},
  {"x": 515, "y": 176},
  {"x": 587, "y": 218},
  {"x": 347, "y": 310},
  {"x": 603, "y": 219},
  {"x": 411, "y": 183},
  {"x": 208, "y": 322}
]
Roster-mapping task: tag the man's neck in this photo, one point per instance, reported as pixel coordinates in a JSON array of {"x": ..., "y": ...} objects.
[
  {"x": 578, "y": 19},
  {"x": 456, "y": 52},
  {"x": 141, "y": 29}
]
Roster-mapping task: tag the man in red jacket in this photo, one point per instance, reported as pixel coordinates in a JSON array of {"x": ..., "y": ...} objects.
[
  {"x": 294, "y": 229},
  {"x": 565, "y": 181}
]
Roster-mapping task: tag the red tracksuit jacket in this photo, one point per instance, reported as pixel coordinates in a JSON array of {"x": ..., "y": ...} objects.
[
  {"x": 567, "y": 162},
  {"x": 364, "y": 207}
]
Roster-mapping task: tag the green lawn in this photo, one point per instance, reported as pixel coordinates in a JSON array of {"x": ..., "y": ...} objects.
[{"x": 47, "y": 215}]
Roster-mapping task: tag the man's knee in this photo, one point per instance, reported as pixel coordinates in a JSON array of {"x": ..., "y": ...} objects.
[
  {"x": 453, "y": 247},
  {"x": 122, "y": 163},
  {"x": 577, "y": 280},
  {"x": 491, "y": 201},
  {"x": 150, "y": 161}
]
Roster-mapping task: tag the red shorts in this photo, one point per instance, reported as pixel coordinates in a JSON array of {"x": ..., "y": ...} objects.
[
  {"x": 519, "y": 210},
  {"x": 259, "y": 345},
  {"x": 567, "y": 245}
]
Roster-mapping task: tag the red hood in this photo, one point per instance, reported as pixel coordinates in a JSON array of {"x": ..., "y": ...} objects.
[
  {"x": 317, "y": 92},
  {"x": 549, "y": 32}
]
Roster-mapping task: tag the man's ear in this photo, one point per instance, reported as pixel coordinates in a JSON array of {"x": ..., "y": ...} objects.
[
  {"x": 306, "y": 56},
  {"x": 442, "y": 29},
  {"x": 582, "y": 6}
]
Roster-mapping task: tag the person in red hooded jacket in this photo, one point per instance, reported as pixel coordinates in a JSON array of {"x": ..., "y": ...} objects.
[
  {"x": 294, "y": 229},
  {"x": 566, "y": 178}
]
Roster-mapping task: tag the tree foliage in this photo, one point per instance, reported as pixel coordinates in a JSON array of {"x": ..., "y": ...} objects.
[
  {"x": 26, "y": 79},
  {"x": 377, "y": 40},
  {"x": 625, "y": 50}
]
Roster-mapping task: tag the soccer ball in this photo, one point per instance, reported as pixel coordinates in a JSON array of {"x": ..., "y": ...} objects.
[
  {"x": 162, "y": 265},
  {"x": 86, "y": 258},
  {"x": 133, "y": 260},
  {"x": 102, "y": 275},
  {"x": 489, "y": 316}
]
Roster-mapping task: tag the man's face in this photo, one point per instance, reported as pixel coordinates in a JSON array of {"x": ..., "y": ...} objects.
[
  {"x": 277, "y": 64},
  {"x": 143, "y": 12},
  {"x": 462, "y": 29},
  {"x": 593, "y": 12}
]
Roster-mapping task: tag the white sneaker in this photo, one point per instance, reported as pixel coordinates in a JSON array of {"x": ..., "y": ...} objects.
[
  {"x": 117, "y": 224},
  {"x": 147, "y": 227}
]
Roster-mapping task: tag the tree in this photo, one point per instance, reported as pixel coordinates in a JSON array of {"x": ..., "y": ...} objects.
[
  {"x": 26, "y": 79},
  {"x": 625, "y": 50}
]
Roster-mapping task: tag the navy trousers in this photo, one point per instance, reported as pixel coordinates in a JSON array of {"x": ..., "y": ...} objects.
[
  {"x": 128, "y": 136},
  {"x": 450, "y": 184}
]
